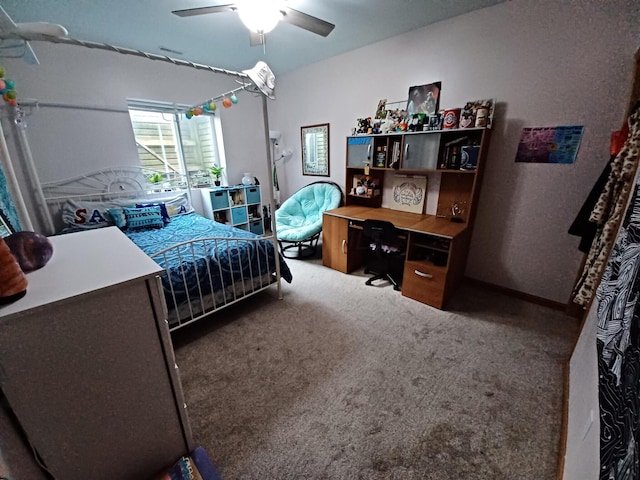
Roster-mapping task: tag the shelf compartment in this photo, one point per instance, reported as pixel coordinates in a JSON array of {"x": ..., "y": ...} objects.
[
  {"x": 239, "y": 215},
  {"x": 253, "y": 195},
  {"x": 219, "y": 199},
  {"x": 381, "y": 152},
  {"x": 450, "y": 156},
  {"x": 255, "y": 226}
]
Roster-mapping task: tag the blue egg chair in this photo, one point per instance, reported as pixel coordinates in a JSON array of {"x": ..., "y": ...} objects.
[{"x": 299, "y": 218}]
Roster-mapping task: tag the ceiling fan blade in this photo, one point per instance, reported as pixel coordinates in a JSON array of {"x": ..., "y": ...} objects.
[
  {"x": 307, "y": 22},
  {"x": 29, "y": 55},
  {"x": 190, "y": 12},
  {"x": 7, "y": 26}
]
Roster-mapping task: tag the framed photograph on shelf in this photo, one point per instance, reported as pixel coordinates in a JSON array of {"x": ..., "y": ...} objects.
[
  {"x": 315, "y": 149},
  {"x": 424, "y": 99},
  {"x": 381, "y": 111}
]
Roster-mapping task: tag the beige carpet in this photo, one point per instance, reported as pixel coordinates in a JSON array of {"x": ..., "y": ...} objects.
[{"x": 343, "y": 381}]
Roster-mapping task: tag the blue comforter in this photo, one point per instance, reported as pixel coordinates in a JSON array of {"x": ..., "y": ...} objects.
[{"x": 205, "y": 263}]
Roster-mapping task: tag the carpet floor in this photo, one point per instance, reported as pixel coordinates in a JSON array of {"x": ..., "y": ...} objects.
[{"x": 345, "y": 381}]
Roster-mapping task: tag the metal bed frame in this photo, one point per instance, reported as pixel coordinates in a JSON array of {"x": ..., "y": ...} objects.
[{"x": 128, "y": 184}]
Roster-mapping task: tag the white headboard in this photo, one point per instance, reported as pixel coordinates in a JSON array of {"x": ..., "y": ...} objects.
[{"x": 114, "y": 183}]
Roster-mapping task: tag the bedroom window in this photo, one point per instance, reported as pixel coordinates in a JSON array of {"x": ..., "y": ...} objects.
[{"x": 169, "y": 142}]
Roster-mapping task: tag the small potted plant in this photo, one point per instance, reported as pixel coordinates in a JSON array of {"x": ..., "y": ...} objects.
[
  {"x": 216, "y": 171},
  {"x": 155, "y": 179}
]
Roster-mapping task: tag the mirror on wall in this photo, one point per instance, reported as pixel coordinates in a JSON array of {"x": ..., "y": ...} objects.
[{"x": 315, "y": 149}]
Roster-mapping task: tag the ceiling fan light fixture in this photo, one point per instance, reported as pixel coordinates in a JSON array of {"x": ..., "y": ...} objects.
[{"x": 260, "y": 16}]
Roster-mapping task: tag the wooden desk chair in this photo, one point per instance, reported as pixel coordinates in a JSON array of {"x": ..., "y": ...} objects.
[{"x": 387, "y": 252}]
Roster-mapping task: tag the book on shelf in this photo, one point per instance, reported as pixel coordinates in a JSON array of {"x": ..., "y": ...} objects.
[
  {"x": 452, "y": 154},
  {"x": 395, "y": 155}
]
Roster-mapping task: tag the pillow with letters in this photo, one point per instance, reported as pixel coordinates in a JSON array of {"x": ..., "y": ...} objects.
[
  {"x": 143, "y": 217},
  {"x": 178, "y": 205},
  {"x": 85, "y": 215}
]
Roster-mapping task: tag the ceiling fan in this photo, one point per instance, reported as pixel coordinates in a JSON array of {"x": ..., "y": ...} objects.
[
  {"x": 13, "y": 36},
  {"x": 261, "y": 16}
]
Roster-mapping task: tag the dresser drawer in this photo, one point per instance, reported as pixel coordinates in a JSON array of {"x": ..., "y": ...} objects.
[{"x": 424, "y": 282}]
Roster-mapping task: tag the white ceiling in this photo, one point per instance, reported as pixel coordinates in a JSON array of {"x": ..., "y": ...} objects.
[{"x": 221, "y": 40}]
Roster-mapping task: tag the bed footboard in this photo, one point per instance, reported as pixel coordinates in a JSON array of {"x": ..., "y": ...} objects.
[{"x": 205, "y": 275}]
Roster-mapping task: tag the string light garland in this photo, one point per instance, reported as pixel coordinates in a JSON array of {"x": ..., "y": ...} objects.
[
  {"x": 228, "y": 100},
  {"x": 8, "y": 89}
]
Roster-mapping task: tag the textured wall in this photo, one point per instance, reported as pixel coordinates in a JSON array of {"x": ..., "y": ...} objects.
[{"x": 547, "y": 63}]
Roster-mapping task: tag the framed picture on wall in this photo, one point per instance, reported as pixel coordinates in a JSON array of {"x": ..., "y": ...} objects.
[
  {"x": 315, "y": 149},
  {"x": 424, "y": 99}
]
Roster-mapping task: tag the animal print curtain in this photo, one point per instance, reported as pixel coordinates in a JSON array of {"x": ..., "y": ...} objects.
[
  {"x": 608, "y": 211},
  {"x": 618, "y": 347}
]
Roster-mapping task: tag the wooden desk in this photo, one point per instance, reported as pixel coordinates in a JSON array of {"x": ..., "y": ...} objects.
[{"x": 436, "y": 249}]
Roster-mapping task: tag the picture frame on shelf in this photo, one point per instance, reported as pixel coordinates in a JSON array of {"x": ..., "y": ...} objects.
[
  {"x": 381, "y": 111},
  {"x": 315, "y": 149},
  {"x": 424, "y": 99},
  {"x": 409, "y": 193}
]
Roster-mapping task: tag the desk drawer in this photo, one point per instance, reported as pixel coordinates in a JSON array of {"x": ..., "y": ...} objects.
[{"x": 424, "y": 282}]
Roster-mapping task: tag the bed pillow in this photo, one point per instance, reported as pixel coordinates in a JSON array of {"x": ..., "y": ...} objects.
[
  {"x": 178, "y": 205},
  {"x": 85, "y": 215},
  {"x": 163, "y": 209},
  {"x": 118, "y": 216},
  {"x": 143, "y": 217}
]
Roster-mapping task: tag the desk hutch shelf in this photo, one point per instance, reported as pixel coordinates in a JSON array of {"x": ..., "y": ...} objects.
[
  {"x": 437, "y": 245},
  {"x": 457, "y": 155}
]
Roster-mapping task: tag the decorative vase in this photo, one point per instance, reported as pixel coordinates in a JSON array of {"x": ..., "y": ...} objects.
[{"x": 247, "y": 179}]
